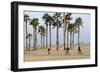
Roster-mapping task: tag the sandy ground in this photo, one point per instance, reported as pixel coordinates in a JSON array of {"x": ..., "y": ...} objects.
[{"x": 42, "y": 55}]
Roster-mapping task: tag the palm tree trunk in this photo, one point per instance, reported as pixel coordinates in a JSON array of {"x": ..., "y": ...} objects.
[
  {"x": 71, "y": 39},
  {"x": 57, "y": 39},
  {"x": 46, "y": 36},
  {"x": 41, "y": 41},
  {"x": 78, "y": 37},
  {"x": 64, "y": 28},
  {"x": 29, "y": 43},
  {"x": 26, "y": 36},
  {"x": 35, "y": 38},
  {"x": 50, "y": 36},
  {"x": 67, "y": 39}
]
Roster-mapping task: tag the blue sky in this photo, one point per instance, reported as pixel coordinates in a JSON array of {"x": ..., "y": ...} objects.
[{"x": 84, "y": 32}]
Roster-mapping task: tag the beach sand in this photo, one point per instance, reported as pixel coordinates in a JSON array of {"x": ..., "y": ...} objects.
[{"x": 42, "y": 55}]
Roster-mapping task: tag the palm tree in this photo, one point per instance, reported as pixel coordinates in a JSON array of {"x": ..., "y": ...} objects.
[
  {"x": 34, "y": 23},
  {"x": 41, "y": 30},
  {"x": 26, "y": 18},
  {"x": 64, "y": 29},
  {"x": 78, "y": 23},
  {"x": 29, "y": 36},
  {"x": 43, "y": 34},
  {"x": 57, "y": 22},
  {"x": 67, "y": 21},
  {"x": 50, "y": 23},
  {"x": 74, "y": 30},
  {"x": 46, "y": 19},
  {"x": 70, "y": 29}
]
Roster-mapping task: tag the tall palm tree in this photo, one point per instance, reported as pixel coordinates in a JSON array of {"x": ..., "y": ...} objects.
[
  {"x": 64, "y": 29},
  {"x": 74, "y": 30},
  {"x": 46, "y": 19},
  {"x": 78, "y": 23},
  {"x": 68, "y": 18},
  {"x": 43, "y": 34},
  {"x": 57, "y": 22},
  {"x": 70, "y": 29},
  {"x": 29, "y": 36},
  {"x": 26, "y": 18},
  {"x": 41, "y": 30},
  {"x": 34, "y": 23},
  {"x": 50, "y": 23}
]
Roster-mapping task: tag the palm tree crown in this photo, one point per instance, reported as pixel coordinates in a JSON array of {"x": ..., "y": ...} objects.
[
  {"x": 57, "y": 20},
  {"x": 41, "y": 30},
  {"x": 26, "y": 17},
  {"x": 34, "y": 22},
  {"x": 78, "y": 21},
  {"x": 46, "y": 17},
  {"x": 68, "y": 17}
]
